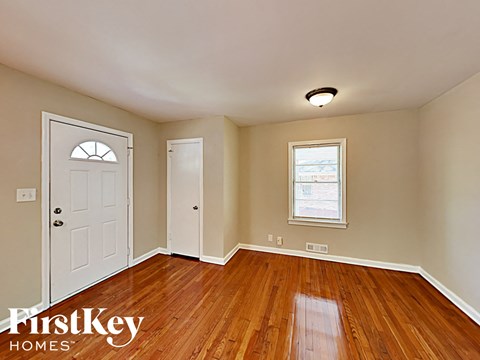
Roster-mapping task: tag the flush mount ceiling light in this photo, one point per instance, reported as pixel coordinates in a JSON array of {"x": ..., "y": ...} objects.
[{"x": 320, "y": 97}]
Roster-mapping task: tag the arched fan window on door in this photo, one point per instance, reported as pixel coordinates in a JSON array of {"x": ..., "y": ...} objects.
[{"x": 93, "y": 150}]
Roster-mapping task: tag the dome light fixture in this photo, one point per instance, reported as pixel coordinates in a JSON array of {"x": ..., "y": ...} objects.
[{"x": 322, "y": 96}]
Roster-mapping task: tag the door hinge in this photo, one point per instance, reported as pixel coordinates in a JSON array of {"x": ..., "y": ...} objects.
[
  {"x": 128, "y": 201},
  {"x": 128, "y": 251}
]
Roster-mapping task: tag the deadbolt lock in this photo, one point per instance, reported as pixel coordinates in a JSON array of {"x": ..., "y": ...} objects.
[{"x": 57, "y": 211}]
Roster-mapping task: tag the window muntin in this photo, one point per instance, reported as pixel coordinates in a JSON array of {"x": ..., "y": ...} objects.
[
  {"x": 93, "y": 150},
  {"x": 317, "y": 187}
]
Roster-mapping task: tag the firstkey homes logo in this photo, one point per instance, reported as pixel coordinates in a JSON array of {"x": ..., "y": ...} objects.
[{"x": 83, "y": 322}]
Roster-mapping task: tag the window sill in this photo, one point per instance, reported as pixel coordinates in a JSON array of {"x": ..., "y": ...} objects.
[{"x": 329, "y": 224}]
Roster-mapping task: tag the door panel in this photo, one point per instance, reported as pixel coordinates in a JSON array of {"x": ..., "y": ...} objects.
[
  {"x": 92, "y": 243},
  {"x": 108, "y": 188},
  {"x": 79, "y": 256},
  {"x": 79, "y": 190},
  {"x": 109, "y": 239},
  {"x": 185, "y": 172}
]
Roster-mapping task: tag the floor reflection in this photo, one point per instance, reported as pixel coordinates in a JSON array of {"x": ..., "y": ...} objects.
[{"x": 318, "y": 328}]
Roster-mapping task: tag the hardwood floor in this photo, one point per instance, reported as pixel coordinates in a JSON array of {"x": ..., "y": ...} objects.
[{"x": 266, "y": 306}]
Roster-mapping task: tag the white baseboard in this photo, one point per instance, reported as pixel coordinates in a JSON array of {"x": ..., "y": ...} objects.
[
  {"x": 450, "y": 295},
  {"x": 150, "y": 254},
  {"x": 163, "y": 251},
  {"x": 334, "y": 258},
  {"x": 231, "y": 253},
  {"x": 204, "y": 258},
  {"x": 212, "y": 260},
  {"x": 219, "y": 260},
  {"x": 5, "y": 323}
]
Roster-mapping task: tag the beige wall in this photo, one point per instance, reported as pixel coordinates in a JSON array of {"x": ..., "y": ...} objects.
[
  {"x": 382, "y": 185},
  {"x": 450, "y": 189},
  {"x": 212, "y": 132},
  {"x": 231, "y": 187},
  {"x": 22, "y": 98},
  {"x": 412, "y": 186}
]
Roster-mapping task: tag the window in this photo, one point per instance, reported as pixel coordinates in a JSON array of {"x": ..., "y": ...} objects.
[
  {"x": 317, "y": 183},
  {"x": 93, "y": 150}
]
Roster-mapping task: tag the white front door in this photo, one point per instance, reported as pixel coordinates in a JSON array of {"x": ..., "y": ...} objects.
[
  {"x": 88, "y": 207},
  {"x": 185, "y": 172}
]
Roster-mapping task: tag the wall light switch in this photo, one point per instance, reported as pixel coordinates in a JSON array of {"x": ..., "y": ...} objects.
[
  {"x": 270, "y": 237},
  {"x": 24, "y": 195}
]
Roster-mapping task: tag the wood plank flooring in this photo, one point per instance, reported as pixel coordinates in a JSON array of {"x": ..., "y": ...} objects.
[{"x": 266, "y": 306}]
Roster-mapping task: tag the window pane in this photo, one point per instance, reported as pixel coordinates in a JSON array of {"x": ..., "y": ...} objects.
[
  {"x": 89, "y": 147},
  {"x": 317, "y": 200},
  {"x": 316, "y": 155},
  {"x": 93, "y": 150},
  {"x": 317, "y": 209},
  {"x": 78, "y": 153},
  {"x": 317, "y": 191},
  {"x": 102, "y": 149},
  {"x": 110, "y": 156},
  {"x": 316, "y": 173}
]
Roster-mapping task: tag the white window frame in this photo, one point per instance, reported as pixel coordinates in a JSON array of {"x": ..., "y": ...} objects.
[{"x": 292, "y": 220}]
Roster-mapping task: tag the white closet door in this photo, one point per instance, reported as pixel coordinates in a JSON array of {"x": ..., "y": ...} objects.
[{"x": 185, "y": 180}]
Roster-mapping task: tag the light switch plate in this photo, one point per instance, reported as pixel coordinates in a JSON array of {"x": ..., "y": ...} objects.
[
  {"x": 279, "y": 240},
  {"x": 24, "y": 195}
]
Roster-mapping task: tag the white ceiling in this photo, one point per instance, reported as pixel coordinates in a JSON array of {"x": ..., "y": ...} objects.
[{"x": 251, "y": 60}]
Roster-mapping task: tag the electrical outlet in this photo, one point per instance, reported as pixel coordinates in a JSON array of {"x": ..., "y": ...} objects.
[
  {"x": 270, "y": 237},
  {"x": 279, "y": 240},
  {"x": 319, "y": 248}
]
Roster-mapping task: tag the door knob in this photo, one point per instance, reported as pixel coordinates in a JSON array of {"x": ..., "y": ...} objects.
[
  {"x": 195, "y": 207},
  {"x": 57, "y": 223}
]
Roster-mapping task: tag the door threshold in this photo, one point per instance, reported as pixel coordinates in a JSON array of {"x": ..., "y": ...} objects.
[{"x": 186, "y": 257}]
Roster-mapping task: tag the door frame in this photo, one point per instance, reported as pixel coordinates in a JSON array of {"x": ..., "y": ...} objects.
[
  {"x": 47, "y": 118},
  {"x": 169, "y": 183}
]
